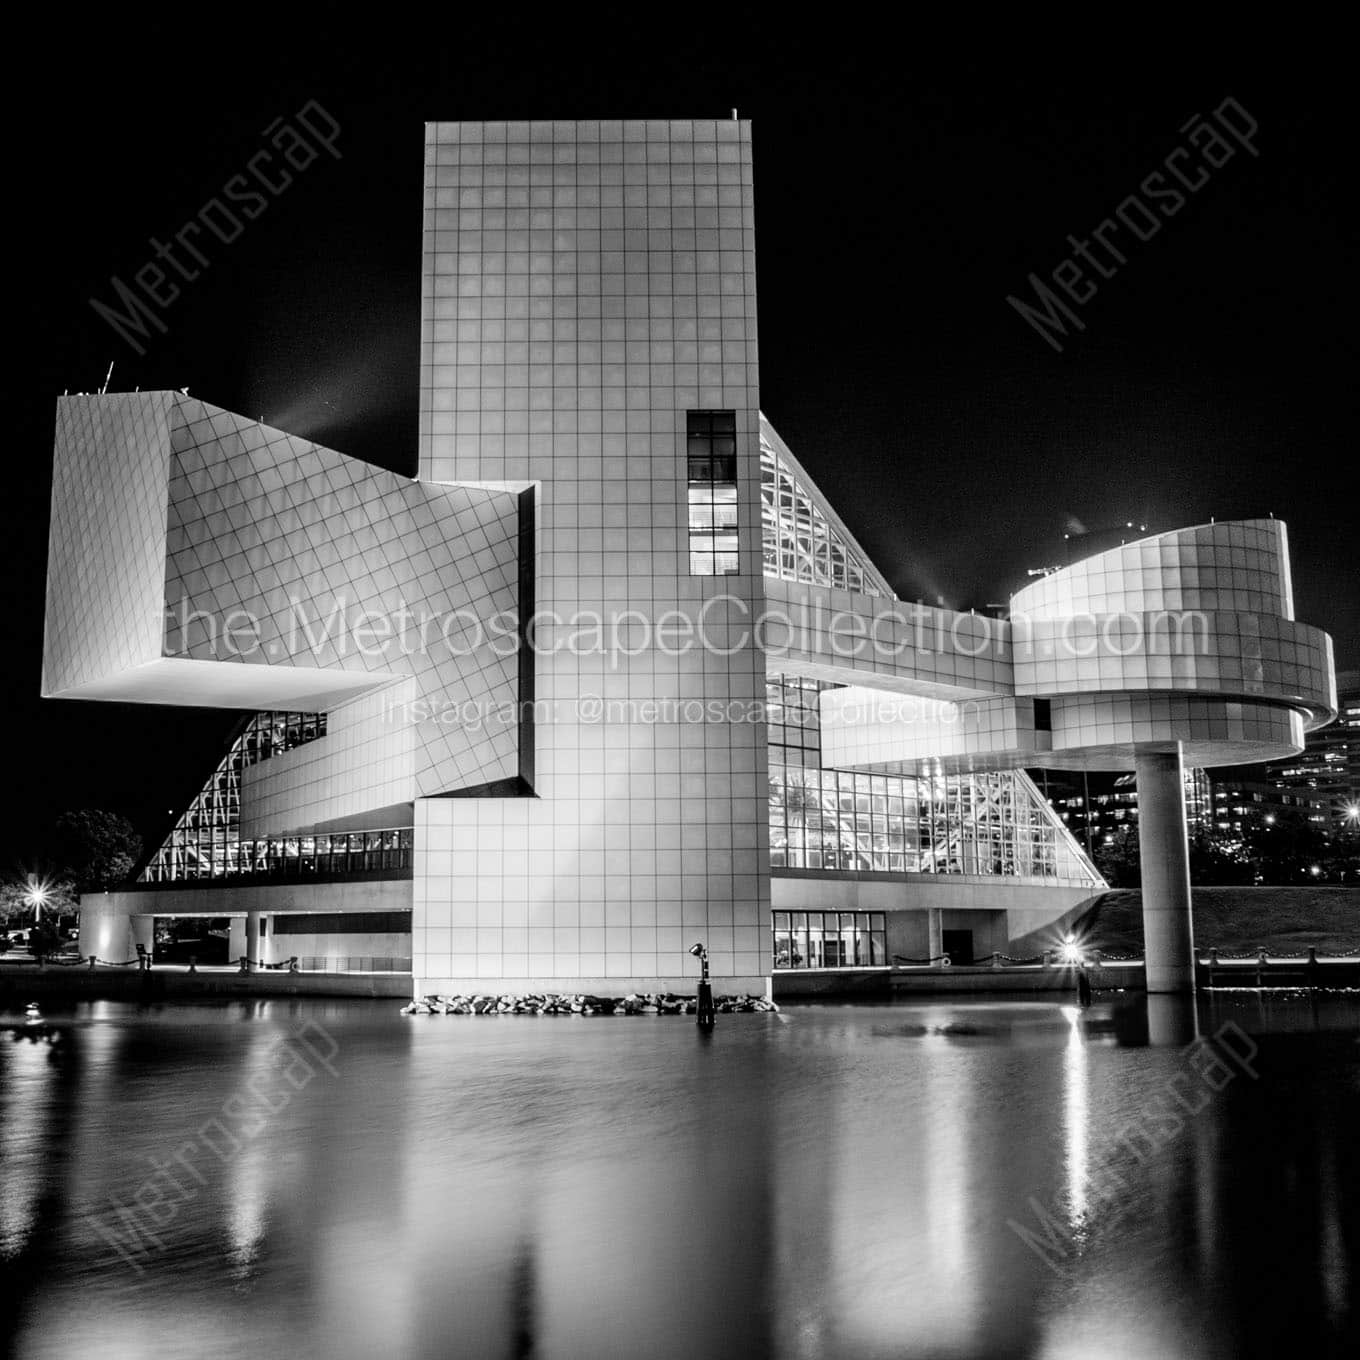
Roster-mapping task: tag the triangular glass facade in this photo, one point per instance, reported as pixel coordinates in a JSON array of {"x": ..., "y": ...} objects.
[
  {"x": 803, "y": 538},
  {"x": 205, "y": 842},
  {"x": 996, "y": 822}
]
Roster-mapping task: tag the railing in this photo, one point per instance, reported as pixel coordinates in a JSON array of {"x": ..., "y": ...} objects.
[
  {"x": 1213, "y": 967},
  {"x": 1049, "y": 959},
  {"x": 1279, "y": 968},
  {"x": 353, "y": 963}
]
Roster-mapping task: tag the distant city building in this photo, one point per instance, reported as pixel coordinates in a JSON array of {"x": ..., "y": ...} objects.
[
  {"x": 1096, "y": 806},
  {"x": 1325, "y": 776}
]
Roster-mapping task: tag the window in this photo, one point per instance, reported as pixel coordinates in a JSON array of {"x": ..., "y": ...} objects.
[
  {"x": 837, "y": 820},
  {"x": 711, "y": 455},
  {"x": 829, "y": 939},
  {"x": 799, "y": 543}
]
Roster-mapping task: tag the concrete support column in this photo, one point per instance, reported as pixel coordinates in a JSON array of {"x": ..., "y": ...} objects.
[
  {"x": 236, "y": 938},
  {"x": 143, "y": 930},
  {"x": 1164, "y": 851},
  {"x": 935, "y": 931},
  {"x": 110, "y": 931},
  {"x": 253, "y": 936}
]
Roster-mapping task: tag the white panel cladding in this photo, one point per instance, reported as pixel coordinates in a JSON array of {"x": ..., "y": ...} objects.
[
  {"x": 365, "y": 760},
  {"x": 106, "y": 546},
  {"x": 312, "y": 546},
  {"x": 586, "y": 284}
]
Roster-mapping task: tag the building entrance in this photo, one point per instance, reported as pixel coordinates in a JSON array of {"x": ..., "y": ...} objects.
[{"x": 958, "y": 944}]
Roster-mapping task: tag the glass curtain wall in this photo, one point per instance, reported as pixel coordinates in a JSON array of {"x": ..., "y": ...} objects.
[{"x": 992, "y": 823}]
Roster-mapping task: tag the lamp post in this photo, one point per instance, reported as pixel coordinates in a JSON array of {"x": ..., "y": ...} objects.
[
  {"x": 706, "y": 1016},
  {"x": 36, "y": 897}
]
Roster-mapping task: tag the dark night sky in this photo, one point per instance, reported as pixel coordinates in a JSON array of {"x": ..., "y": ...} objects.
[{"x": 899, "y": 199}]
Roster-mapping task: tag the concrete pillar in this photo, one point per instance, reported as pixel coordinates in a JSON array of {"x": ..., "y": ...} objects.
[
  {"x": 1164, "y": 851},
  {"x": 935, "y": 931},
  {"x": 236, "y": 938},
  {"x": 1173, "y": 1021},
  {"x": 253, "y": 936},
  {"x": 110, "y": 931},
  {"x": 143, "y": 930}
]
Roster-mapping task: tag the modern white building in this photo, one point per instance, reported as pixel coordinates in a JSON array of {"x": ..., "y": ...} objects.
[{"x": 610, "y": 677}]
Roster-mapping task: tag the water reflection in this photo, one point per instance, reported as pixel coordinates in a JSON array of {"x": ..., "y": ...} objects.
[
  {"x": 1075, "y": 1118},
  {"x": 830, "y": 1182}
]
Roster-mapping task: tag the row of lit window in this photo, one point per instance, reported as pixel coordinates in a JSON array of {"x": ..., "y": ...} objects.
[
  {"x": 830, "y": 939},
  {"x": 282, "y": 856}
]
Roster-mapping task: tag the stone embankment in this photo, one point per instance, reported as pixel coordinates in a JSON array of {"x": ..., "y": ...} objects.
[{"x": 553, "y": 1004}]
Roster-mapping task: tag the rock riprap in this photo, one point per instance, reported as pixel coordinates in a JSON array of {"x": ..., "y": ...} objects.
[{"x": 550, "y": 1003}]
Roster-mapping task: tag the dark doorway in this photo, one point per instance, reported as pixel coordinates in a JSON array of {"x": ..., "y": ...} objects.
[
  {"x": 958, "y": 944},
  {"x": 181, "y": 938}
]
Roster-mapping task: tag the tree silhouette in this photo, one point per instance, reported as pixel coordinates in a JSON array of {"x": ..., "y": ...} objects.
[{"x": 99, "y": 849}]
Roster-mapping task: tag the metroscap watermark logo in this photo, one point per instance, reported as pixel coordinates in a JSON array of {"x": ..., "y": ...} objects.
[{"x": 292, "y": 145}]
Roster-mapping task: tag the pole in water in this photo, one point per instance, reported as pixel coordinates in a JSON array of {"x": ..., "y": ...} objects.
[
  {"x": 1083, "y": 986},
  {"x": 705, "y": 1016}
]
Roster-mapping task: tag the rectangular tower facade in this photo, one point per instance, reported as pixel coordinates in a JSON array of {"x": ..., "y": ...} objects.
[{"x": 589, "y": 340}]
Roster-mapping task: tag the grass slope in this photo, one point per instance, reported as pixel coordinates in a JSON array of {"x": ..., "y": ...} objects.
[{"x": 1238, "y": 919}]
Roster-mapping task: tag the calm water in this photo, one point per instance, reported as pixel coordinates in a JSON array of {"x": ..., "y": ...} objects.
[{"x": 832, "y": 1181}]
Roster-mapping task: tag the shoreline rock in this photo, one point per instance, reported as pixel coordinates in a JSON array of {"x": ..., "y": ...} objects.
[{"x": 580, "y": 1003}]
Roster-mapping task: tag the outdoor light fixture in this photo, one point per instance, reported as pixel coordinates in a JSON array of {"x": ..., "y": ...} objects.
[
  {"x": 705, "y": 1014},
  {"x": 36, "y": 896},
  {"x": 1071, "y": 951}
]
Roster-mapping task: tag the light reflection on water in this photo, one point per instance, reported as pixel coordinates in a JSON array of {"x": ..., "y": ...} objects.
[{"x": 832, "y": 1181}]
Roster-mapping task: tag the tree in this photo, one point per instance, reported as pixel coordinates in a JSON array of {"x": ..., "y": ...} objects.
[
  {"x": 99, "y": 849},
  {"x": 1118, "y": 859},
  {"x": 1219, "y": 860}
]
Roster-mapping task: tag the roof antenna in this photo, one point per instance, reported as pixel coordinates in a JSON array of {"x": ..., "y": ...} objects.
[
  {"x": 104, "y": 390},
  {"x": 734, "y": 115}
]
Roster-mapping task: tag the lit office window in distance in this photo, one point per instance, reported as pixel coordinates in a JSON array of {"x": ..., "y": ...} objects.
[
  {"x": 829, "y": 939},
  {"x": 711, "y": 450}
]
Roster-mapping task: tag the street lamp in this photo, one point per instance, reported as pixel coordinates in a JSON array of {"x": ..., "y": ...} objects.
[
  {"x": 705, "y": 1016},
  {"x": 36, "y": 897},
  {"x": 1071, "y": 954}
]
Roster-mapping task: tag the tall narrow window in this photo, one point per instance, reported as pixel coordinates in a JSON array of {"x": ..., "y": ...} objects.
[{"x": 711, "y": 452}]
